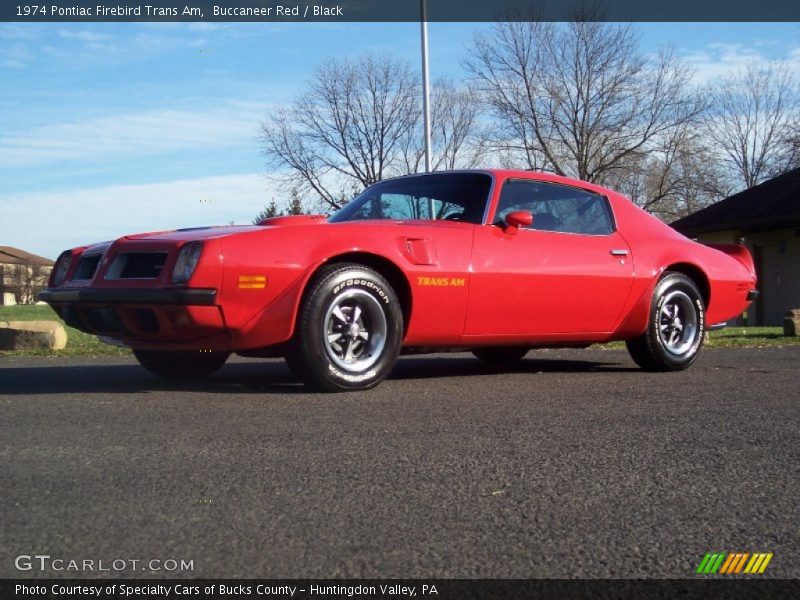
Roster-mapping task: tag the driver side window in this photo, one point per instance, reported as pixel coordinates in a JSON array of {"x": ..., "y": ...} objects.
[{"x": 556, "y": 207}]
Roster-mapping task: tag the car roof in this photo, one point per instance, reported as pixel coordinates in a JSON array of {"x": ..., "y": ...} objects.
[{"x": 503, "y": 174}]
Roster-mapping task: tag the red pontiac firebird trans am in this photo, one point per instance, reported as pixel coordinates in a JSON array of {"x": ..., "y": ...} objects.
[{"x": 494, "y": 261}]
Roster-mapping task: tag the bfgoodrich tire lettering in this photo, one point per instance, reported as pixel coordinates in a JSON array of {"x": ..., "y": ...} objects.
[
  {"x": 675, "y": 328},
  {"x": 181, "y": 365},
  {"x": 349, "y": 329}
]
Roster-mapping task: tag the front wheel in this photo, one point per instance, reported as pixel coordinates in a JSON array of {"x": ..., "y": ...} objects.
[
  {"x": 675, "y": 328},
  {"x": 349, "y": 330},
  {"x": 181, "y": 365}
]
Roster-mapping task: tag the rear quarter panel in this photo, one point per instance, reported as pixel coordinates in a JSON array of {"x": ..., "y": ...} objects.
[{"x": 655, "y": 248}]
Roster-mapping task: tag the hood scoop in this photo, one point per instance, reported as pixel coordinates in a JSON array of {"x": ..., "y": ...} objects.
[{"x": 294, "y": 220}]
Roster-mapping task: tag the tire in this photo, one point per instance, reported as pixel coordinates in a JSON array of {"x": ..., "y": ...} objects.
[
  {"x": 181, "y": 365},
  {"x": 349, "y": 330},
  {"x": 675, "y": 326},
  {"x": 501, "y": 354}
]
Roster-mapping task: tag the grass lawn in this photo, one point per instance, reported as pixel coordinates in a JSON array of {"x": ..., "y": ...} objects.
[
  {"x": 78, "y": 343},
  {"x": 750, "y": 336},
  {"x": 738, "y": 337}
]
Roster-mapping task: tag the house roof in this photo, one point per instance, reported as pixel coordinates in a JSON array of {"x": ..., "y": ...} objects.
[
  {"x": 770, "y": 205},
  {"x": 14, "y": 256}
]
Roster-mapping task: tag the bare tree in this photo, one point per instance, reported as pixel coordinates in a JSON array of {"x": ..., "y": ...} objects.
[
  {"x": 793, "y": 146},
  {"x": 753, "y": 113},
  {"x": 346, "y": 130},
  {"x": 678, "y": 176},
  {"x": 455, "y": 134},
  {"x": 578, "y": 98},
  {"x": 360, "y": 121}
]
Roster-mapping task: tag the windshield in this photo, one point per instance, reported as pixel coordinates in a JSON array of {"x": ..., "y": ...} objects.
[{"x": 450, "y": 196}]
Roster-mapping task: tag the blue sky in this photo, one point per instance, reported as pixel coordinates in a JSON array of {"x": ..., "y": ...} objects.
[{"x": 109, "y": 128}]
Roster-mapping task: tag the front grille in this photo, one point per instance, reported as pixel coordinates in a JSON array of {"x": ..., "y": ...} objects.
[
  {"x": 86, "y": 267},
  {"x": 137, "y": 265}
]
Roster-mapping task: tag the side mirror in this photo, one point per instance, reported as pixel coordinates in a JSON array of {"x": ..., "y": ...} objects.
[{"x": 517, "y": 219}]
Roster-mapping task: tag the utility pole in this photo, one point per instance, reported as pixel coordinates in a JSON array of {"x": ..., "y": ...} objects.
[{"x": 426, "y": 104}]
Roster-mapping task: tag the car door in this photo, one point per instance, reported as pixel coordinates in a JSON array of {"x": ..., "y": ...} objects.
[{"x": 567, "y": 274}]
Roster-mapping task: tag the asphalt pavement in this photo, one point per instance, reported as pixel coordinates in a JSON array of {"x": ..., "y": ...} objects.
[{"x": 571, "y": 464}]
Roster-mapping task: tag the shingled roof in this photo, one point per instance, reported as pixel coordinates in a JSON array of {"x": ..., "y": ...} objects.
[
  {"x": 15, "y": 256},
  {"x": 769, "y": 205}
]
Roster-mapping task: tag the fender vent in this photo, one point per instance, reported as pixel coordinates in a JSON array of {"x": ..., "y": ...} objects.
[{"x": 421, "y": 251}]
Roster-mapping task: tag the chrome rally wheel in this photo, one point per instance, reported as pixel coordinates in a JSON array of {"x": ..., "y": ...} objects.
[
  {"x": 355, "y": 331},
  {"x": 677, "y": 327}
]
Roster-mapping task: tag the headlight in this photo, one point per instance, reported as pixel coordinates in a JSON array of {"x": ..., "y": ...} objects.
[
  {"x": 186, "y": 263},
  {"x": 61, "y": 268}
]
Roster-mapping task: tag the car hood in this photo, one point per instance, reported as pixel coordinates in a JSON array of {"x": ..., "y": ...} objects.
[
  {"x": 193, "y": 233},
  {"x": 203, "y": 233},
  {"x": 215, "y": 231}
]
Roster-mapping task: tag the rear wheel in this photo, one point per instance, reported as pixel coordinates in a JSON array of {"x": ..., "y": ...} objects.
[
  {"x": 181, "y": 365},
  {"x": 349, "y": 330},
  {"x": 675, "y": 328},
  {"x": 501, "y": 354}
]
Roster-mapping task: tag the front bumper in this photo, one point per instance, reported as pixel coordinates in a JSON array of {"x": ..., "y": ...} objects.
[
  {"x": 161, "y": 318},
  {"x": 178, "y": 297}
]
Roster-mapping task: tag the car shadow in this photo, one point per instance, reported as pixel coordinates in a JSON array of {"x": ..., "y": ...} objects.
[
  {"x": 268, "y": 376},
  {"x": 425, "y": 367}
]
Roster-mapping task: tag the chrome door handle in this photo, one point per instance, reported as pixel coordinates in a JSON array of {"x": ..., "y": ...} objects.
[{"x": 619, "y": 253}]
